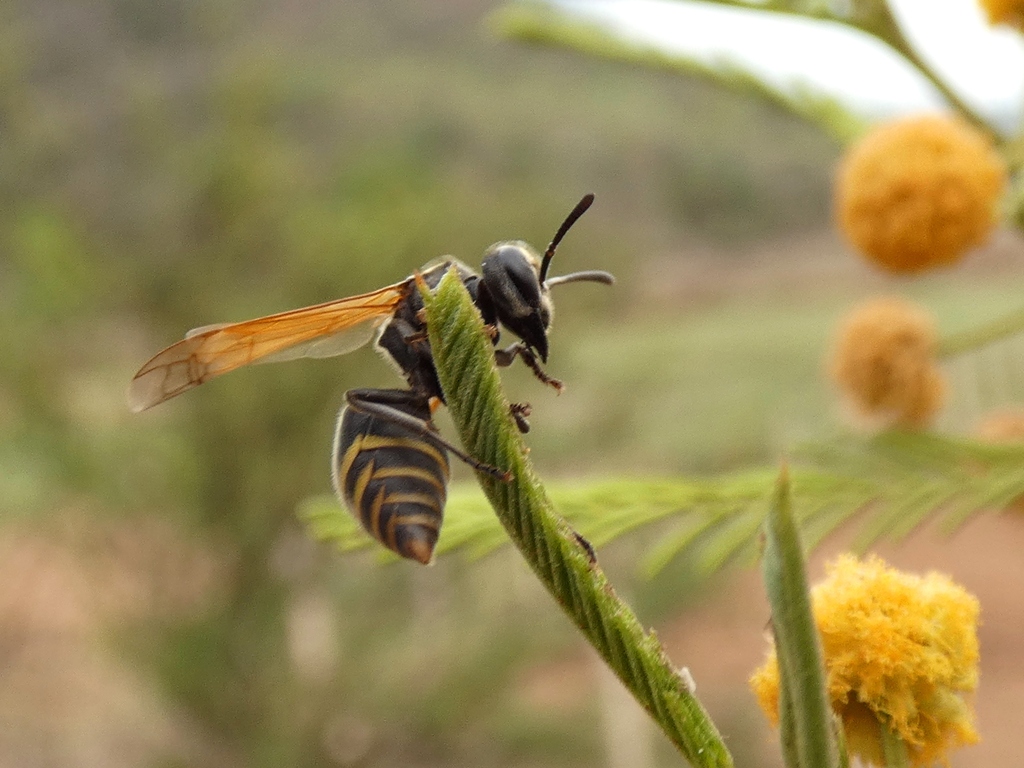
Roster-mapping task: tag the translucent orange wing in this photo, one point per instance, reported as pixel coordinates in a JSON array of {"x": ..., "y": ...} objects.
[{"x": 332, "y": 328}]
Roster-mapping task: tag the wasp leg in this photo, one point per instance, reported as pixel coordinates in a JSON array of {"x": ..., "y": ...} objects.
[
  {"x": 520, "y": 412},
  {"x": 587, "y": 547},
  {"x": 382, "y": 404},
  {"x": 409, "y": 333},
  {"x": 505, "y": 357}
]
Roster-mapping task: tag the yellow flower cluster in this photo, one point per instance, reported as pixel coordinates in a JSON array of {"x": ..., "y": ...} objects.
[
  {"x": 1004, "y": 12},
  {"x": 884, "y": 363},
  {"x": 919, "y": 192},
  {"x": 900, "y": 650}
]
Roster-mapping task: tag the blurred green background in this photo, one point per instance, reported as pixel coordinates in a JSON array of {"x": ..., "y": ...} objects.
[{"x": 171, "y": 163}]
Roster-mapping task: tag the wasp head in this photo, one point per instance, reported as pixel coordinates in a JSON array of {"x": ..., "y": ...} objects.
[
  {"x": 511, "y": 272},
  {"x": 516, "y": 279}
]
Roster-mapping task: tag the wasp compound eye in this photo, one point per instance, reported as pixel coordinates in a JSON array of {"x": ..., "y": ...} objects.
[{"x": 511, "y": 277}]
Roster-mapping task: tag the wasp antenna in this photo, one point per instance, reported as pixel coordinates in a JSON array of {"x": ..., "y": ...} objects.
[
  {"x": 590, "y": 275},
  {"x": 579, "y": 210}
]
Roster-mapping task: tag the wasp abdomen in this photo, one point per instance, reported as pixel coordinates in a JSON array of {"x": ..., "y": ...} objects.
[{"x": 393, "y": 480}]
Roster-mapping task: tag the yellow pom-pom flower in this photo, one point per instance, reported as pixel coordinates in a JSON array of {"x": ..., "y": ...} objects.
[
  {"x": 884, "y": 364},
  {"x": 901, "y": 651},
  {"x": 1004, "y": 12},
  {"x": 919, "y": 192}
]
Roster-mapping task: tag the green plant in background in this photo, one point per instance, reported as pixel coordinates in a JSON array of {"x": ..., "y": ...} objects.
[{"x": 911, "y": 194}]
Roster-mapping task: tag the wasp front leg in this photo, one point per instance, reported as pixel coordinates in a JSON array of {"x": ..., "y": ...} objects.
[
  {"x": 505, "y": 357},
  {"x": 407, "y": 332},
  {"x": 521, "y": 412}
]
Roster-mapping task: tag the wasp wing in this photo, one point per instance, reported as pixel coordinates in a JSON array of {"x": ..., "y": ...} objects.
[
  {"x": 323, "y": 330},
  {"x": 340, "y": 343}
]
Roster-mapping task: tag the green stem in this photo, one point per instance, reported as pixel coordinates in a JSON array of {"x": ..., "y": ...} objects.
[
  {"x": 894, "y": 749},
  {"x": 894, "y": 36},
  {"x": 560, "y": 558},
  {"x": 1001, "y": 328},
  {"x": 542, "y": 24},
  {"x": 880, "y": 23}
]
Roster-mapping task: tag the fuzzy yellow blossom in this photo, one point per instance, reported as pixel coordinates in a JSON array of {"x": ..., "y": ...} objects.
[
  {"x": 883, "y": 362},
  {"x": 919, "y": 192},
  {"x": 1004, "y": 12},
  {"x": 900, "y": 650}
]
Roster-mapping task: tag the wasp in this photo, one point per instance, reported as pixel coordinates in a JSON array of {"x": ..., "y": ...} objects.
[{"x": 389, "y": 464}]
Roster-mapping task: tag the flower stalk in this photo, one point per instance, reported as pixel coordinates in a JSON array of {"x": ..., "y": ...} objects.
[
  {"x": 562, "y": 559},
  {"x": 894, "y": 748},
  {"x": 806, "y": 725}
]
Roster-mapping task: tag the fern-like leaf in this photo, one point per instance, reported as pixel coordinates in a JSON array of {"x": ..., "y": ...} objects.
[{"x": 895, "y": 482}]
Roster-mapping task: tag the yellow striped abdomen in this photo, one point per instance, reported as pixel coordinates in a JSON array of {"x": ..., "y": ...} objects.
[{"x": 393, "y": 480}]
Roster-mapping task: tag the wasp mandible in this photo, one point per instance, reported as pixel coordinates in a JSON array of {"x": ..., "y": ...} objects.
[{"x": 389, "y": 464}]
